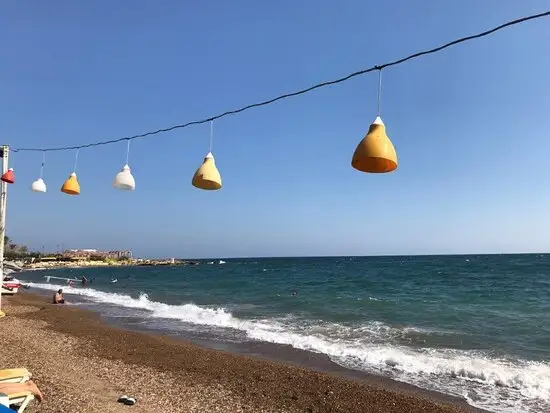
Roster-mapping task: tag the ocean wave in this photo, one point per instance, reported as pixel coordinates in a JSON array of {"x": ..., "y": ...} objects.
[{"x": 502, "y": 385}]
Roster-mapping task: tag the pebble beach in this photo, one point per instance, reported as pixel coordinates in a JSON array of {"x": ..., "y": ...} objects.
[{"x": 83, "y": 365}]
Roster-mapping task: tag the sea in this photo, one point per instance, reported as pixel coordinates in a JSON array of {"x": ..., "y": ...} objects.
[{"x": 475, "y": 327}]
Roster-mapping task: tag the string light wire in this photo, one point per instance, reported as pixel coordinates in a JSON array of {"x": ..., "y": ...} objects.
[
  {"x": 379, "y": 89},
  {"x": 42, "y": 165},
  {"x": 76, "y": 160},
  {"x": 299, "y": 92},
  {"x": 128, "y": 152},
  {"x": 211, "y": 135}
]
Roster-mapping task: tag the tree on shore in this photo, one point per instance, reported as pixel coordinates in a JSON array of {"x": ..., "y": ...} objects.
[{"x": 15, "y": 251}]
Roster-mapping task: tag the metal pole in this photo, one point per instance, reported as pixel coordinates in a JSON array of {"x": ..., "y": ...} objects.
[{"x": 3, "y": 205}]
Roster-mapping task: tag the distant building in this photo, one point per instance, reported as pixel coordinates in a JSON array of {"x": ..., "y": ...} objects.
[
  {"x": 84, "y": 254},
  {"x": 49, "y": 258},
  {"x": 120, "y": 254}
]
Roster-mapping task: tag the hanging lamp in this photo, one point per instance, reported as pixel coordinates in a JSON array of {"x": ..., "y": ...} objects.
[
  {"x": 207, "y": 177},
  {"x": 71, "y": 185},
  {"x": 375, "y": 153},
  {"x": 8, "y": 176},
  {"x": 39, "y": 185},
  {"x": 124, "y": 179}
]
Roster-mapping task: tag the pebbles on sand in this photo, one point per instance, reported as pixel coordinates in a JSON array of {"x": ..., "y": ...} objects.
[{"x": 83, "y": 365}]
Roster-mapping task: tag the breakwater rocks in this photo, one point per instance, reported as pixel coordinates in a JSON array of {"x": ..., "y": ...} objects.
[{"x": 44, "y": 265}]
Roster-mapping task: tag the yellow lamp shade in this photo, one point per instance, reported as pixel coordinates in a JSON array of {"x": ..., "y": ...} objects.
[
  {"x": 375, "y": 153},
  {"x": 207, "y": 176},
  {"x": 71, "y": 185}
]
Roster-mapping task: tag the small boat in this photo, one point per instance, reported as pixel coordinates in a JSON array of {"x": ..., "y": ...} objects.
[
  {"x": 11, "y": 285},
  {"x": 69, "y": 281}
]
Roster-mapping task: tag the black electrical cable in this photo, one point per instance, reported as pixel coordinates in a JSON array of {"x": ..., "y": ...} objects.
[{"x": 297, "y": 93}]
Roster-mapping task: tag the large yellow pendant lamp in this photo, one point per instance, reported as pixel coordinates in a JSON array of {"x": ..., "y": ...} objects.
[
  {"x": 39, "y": 185},
  {"x": 71, "y": 185},
  {"x": 375, "y": 153},
  {"x": 124, "y": 179},
  {"x": 207, "y": 176}
]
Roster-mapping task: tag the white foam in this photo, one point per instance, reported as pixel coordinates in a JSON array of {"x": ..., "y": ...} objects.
[{"x": 494, "y": 384}]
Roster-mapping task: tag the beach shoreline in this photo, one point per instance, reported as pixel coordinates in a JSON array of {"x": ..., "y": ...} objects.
[
  {"x": 212, "y": 380},
  {"x": 90, "y": 264}
]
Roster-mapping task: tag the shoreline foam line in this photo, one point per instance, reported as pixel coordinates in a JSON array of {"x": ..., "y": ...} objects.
[
  {"x": 490, "y": 383},
  {"x": 256, "y": 384}
]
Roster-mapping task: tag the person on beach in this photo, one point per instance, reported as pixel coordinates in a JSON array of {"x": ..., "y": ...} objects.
[
  {"x": 84, "y": 280},
  {"x": 58, "y": 297},
  {"x": 12, "y": 388}
]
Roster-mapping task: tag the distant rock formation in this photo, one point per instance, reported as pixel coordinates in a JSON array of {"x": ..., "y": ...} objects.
[{"x": 11, "y": 267}]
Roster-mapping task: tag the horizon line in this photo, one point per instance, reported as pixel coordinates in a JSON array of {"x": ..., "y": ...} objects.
[{"x": 346, "y": 256}]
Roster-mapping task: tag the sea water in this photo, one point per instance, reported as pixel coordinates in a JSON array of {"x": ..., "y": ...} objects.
[{"x": 476, "y": 327}]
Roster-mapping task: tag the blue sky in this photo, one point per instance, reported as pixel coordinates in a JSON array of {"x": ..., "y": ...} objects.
[{"x": 471, "y": 126}]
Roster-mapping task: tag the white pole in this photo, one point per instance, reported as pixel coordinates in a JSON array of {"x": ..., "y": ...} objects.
[{"x": 3, "y": 204}]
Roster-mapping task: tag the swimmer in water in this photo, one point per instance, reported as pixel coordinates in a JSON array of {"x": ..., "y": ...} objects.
[{"x": 58, "y": 297}]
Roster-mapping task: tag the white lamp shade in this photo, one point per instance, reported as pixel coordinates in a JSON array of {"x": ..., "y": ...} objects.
[
  {"x": 38, "y": 186},
  {"x": 124, "y": 180}
]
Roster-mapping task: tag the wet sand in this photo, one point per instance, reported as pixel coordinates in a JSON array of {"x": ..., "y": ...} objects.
[{"x": 83, "y": 365}]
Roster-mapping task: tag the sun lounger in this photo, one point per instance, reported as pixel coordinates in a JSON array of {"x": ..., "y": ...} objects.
[
  {"x": 21, "y": 400},
  {"x": 4, "y": 409},
  {"x": 15, "y": 375},
  {"x": 4, "y": 400}
]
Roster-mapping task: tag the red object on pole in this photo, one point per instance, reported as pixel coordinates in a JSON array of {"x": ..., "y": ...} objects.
[{"x": 9, "y": 176}]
